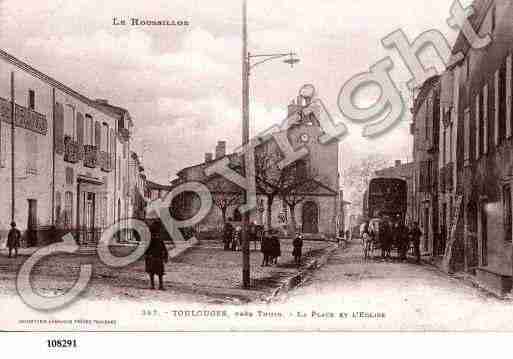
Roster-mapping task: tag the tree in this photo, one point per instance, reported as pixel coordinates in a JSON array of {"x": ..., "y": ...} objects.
[
  {"x": 357, "y": 177},
  {"x": 292, "y": 184},
  {"x": 224, "y": 194},
  {"x": 267, "y": 174}
]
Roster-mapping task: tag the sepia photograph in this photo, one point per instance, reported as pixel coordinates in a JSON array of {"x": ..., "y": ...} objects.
[{"x": 256, "y": 166}]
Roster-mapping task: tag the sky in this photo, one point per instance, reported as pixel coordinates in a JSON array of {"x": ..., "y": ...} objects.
[{"x": 182, "y": 84}]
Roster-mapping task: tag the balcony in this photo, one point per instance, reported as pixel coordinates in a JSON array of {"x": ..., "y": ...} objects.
[
  {"x": 105, "y": 161},
  {"x": 71, "y": 150},
  {"x": 90, "y": 156}
]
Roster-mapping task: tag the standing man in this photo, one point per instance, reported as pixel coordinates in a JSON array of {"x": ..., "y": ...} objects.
[
  {"x": 227, "y": 235},
  {"x": 13, "y": 239},
  {"x": 415, "y": 235},
  {"x": 402, "y": 240},
  {"x": 298, "y": 249},
  {"x": 155, "y": 257}
]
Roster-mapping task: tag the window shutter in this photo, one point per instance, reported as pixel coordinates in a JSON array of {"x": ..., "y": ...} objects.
[
  {"x": 80, "y": 135},
  {"x": 97, "y": 134},
  {"x": 80, "y": 129},
  {"x": 508, "y": 95},
  {"x": 59, "y": 128}
]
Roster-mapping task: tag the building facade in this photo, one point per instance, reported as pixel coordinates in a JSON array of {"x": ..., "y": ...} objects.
[
  {"x": 63, "y": 162},
  {"x": 426, "y": 137},
  {"x": 313, "y": 208},
  {"x": 475, "y": 149}
]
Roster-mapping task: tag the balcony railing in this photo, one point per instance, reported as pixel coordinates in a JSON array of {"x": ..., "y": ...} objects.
[
  {"x": 105, "y": 161},
  {"x": 71, "y": 150},
  {"x": 90, "y": 156}
]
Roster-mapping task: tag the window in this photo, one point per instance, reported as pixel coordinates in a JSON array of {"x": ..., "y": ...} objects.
[
  {"x": 478, "y": 125},
  {"x": 466, "y": 130},
  {"x": 105, "y": 138},
  {"x": 506, "y": 200},
  {"x": 502, "y": 103},
  {"x": 32, "y": 99},
  {"x": 31, "y": 153},
  {"x": 68, "y": 210},
  {"x": 97, "y": 134},
  {"x": 485, "y": 111},
  {"x": 3, "y": 144},
  {"x": 436, "y": 119},
  {"x": 69, "y": 176},
  {"x": 69, "y": 121},
  {"x": 88, "y": 130}
]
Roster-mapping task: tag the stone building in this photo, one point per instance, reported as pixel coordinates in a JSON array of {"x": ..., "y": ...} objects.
[
  {"x": 426, "y": 135},
  {"x": 475, "y": 165},
  {"x": 312, "y": 209},
  {"x": 70, "y": 157}
]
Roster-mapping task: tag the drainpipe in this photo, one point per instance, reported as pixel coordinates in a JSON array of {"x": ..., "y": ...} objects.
[
  {"x": 13, "y": 119},
  {"x": 53, "y": 156}
]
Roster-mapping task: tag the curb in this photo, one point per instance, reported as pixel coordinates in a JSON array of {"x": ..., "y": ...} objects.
[{"x": 299, "y": 278}]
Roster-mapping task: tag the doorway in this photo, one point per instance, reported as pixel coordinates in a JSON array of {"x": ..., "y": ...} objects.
[{"x": 310, "y": 218}]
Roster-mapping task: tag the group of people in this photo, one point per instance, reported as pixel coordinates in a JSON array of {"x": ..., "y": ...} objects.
[
  {"x": 270, "y": 245},
  {"x": 387, "y": 234},
  {"x": 271, "y": 249}
]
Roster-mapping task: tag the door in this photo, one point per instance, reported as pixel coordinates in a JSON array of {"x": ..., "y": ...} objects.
[
  {"x": 89, "y": 216},
  {"x": 32, "y": 222},
  {"x": 310, "y": 218},
  {"x": 426, "y": 233},
  {"x": 484, "y": 237}
]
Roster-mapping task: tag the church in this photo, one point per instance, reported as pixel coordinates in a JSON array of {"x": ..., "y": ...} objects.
[{"x": 302, "y": 197}]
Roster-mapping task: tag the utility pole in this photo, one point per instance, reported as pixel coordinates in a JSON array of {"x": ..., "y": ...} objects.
[
  {"x": 246, "y": 68},
  {"x": 13, "y": 120},
  {"x": 245, "y": 140}
]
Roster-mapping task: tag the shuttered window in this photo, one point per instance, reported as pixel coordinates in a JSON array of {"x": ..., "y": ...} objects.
[
  {"x": 97, "y": 134},
  {"x": 80, "y": 129},
  {"x": 59, "y": 128}
]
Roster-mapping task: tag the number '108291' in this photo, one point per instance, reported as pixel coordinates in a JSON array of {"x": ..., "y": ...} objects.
[{"x": 62, "y": 343}]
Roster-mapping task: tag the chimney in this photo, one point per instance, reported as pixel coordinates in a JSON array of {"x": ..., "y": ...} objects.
[
  {"x": 220, "y": 149},
  {"x": 208, "y": 157},
  {"x": 397, "y": 163}
]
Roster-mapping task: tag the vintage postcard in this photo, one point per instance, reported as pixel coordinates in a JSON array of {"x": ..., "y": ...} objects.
[{"x": 246, "y": 165}]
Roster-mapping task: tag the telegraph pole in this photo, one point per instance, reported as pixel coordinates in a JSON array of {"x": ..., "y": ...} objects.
[
  {"x": 246, "y": 68},
  {"x": 13, "y": 131},
  {"x": 245, "y": 140}
]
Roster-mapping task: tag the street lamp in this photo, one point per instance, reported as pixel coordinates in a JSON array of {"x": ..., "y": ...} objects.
[{"x": 291, "y": 59}]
